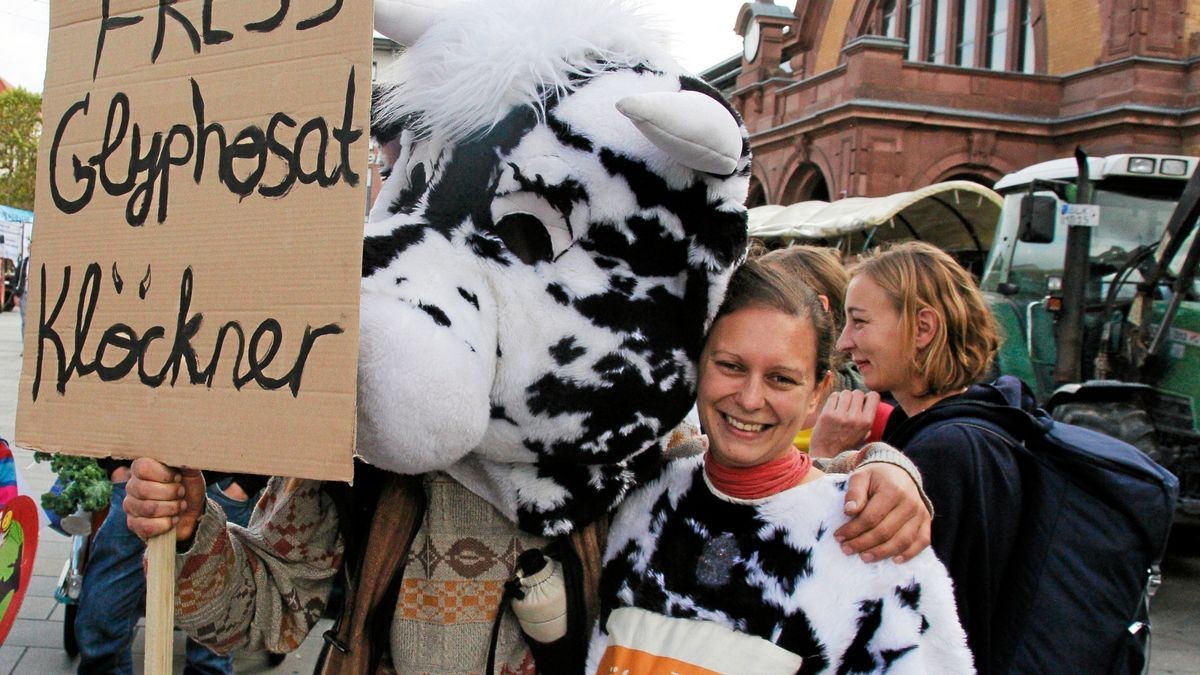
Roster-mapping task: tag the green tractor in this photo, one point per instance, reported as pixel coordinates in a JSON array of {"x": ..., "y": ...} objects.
[{"x": 1092, "y": 279}]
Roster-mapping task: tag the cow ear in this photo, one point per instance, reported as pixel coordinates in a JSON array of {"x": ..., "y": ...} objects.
[
  {"x": 693, "y": 128},
  {"x": 404, "y": 20}
]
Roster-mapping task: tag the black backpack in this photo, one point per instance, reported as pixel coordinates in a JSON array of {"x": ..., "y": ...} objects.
[{"x": 1095, "y": 518}]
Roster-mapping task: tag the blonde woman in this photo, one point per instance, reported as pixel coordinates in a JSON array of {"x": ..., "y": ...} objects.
[{"x": 917, "y": 327}]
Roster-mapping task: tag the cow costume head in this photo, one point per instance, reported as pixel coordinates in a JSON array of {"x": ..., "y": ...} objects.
[{"x": 563, "y": 210}]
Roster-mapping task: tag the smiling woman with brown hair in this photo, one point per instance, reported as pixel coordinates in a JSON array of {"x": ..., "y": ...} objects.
[{"x": 731, "y": 560}]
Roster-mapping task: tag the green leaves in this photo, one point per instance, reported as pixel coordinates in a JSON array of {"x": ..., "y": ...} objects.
[
  {"x": 20, "y": 128},
  {"x": 85, "y": 484}
]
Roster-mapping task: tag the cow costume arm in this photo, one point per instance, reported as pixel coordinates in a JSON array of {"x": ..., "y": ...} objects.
[{"x": 263, "y": 586}]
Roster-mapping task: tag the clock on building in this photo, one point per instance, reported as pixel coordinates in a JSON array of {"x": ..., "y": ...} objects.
[{"x": 750, "y": 43}]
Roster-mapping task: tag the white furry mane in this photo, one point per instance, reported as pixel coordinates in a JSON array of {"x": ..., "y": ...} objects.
[{"x": 482, "y": 58}]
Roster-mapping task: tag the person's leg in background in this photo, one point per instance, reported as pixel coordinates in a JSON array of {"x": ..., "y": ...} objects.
[{"x": 110, "y": 602}]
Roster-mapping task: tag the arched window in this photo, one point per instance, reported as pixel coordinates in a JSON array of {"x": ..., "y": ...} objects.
[
  {"x": 992, "y": 34},
  {"x": 806, "y": 184}
]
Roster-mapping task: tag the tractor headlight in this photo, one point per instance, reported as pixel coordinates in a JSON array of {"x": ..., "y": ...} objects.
[
  {"x": 1141, "y": 165},
  {"x": 1173, "y": 167}
]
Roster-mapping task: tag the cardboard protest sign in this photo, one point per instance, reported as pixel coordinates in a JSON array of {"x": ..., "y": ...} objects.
[{"x": 195, "y": 273}]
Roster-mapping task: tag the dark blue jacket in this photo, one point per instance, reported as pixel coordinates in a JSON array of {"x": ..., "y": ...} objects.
[{"x": 973, "y": 480}]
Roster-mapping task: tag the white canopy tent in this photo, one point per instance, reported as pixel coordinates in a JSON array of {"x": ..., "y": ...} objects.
[{"x": 956, "y": 216}]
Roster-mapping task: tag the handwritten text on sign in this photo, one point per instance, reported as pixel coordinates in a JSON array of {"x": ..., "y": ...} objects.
[{"x": 200, "y": 220}]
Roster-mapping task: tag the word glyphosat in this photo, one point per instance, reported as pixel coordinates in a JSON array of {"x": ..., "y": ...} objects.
[{"x": 147, "y": 170}]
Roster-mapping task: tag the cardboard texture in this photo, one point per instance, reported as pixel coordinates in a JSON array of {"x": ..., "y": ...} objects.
[{"x": 195, "y": 274}]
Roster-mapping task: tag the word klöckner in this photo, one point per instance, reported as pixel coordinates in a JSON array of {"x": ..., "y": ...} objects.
[{"x": 120, "y": 349}]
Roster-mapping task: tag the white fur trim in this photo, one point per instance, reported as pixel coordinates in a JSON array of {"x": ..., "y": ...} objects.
[{"x": 476, "y": 62}]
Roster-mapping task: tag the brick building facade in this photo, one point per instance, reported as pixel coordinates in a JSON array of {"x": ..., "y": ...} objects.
[{"x": 870, "y": 97}]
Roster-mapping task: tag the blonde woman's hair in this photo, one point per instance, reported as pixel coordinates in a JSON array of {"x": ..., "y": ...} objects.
[
  {"x": 916, "y": 275},
  {"x": 820, "y": 269}
]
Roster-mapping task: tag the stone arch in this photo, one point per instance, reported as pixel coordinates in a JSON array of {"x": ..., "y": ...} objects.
[
  {"x": 959, "y": 164},
  {"x": 806, "y": 182},
  {"x": 805, "y": 172},
  {"x": 986, "y": 178}
]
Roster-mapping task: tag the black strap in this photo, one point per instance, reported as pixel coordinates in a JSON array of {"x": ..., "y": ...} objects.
[
  {"x": 512, "y": 588},
  {"x": 566, "y": 655},
  {"x": 1012, "y": 423}
]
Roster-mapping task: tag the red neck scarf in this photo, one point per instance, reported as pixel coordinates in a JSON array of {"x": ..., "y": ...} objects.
[{"x": 763, "y": 480}]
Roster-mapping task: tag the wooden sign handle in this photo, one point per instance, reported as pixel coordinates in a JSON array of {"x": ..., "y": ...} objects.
[{"x": 160, "y": 603}]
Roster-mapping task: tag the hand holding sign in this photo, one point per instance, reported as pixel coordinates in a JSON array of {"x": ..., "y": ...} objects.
[{"x": 159, "y": 499}]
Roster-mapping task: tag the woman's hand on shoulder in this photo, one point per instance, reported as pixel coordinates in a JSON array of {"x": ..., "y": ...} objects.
[
  {"x": 158, "y": 498},
  {"x": 888, "y": 517}
]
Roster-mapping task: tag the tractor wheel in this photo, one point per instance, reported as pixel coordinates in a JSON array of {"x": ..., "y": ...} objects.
[{"x": 1122, "y": 421}]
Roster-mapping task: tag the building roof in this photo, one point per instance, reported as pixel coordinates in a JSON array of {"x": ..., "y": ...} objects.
[{"x": 770, "y": 9}]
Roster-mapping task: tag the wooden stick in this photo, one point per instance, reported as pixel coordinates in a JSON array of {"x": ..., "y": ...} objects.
[{"x": 160, "y": 603}]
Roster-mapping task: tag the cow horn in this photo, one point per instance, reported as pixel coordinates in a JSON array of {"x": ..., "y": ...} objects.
[
  {"x": 404, "y": 20},
  {"x": 693, "y": 128}
]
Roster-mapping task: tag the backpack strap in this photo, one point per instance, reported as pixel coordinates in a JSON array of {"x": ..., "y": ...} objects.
[{"x": 1012, "y": 424}]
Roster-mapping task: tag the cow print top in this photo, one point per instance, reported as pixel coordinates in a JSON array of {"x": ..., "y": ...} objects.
[{"x": 772, "y": 568}]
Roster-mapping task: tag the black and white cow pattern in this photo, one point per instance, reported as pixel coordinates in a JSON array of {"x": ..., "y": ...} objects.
[
  {"x": 536, "y": 292},
  {"x": 772, "y": 568}
]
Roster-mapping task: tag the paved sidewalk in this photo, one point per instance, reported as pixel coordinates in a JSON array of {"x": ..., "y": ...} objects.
[{"x": 35, "y": 646}]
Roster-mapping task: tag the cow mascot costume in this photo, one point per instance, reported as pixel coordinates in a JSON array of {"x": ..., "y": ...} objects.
[
  {"x": 563, "y": 210},
  {"x": 561, "y": 218}
]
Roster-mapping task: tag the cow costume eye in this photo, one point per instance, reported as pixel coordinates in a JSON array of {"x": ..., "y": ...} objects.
[
  {"x": 530, "y": 227},
  {"x": 526, "y": 237}
]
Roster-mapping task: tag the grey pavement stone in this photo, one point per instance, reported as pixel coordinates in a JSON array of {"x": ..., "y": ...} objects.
[
  {"x": 10, "y": 656},
  {"x": 45, "y": 661},
  {"x": 38, "y": 608},
  {"x": 48, "y": 564},
  {"x": 34, "y": 633},
  {"x": 42, "y": 585},
  {"x": 57, "y": 613}
]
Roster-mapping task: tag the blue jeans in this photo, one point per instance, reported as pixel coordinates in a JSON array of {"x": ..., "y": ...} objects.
[{"x": 114, "y": 596}]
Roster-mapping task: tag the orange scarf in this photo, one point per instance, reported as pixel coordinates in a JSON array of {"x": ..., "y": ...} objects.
[{"x": 763, "y": 480}]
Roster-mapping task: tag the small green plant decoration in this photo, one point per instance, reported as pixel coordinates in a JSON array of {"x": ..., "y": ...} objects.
[{"x": 85, "y": 485}]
